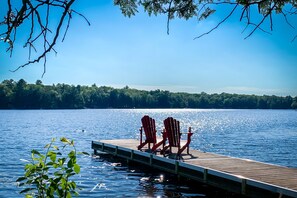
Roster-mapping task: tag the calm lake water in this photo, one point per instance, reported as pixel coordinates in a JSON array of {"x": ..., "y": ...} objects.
[{"x": 264, "y": 135}]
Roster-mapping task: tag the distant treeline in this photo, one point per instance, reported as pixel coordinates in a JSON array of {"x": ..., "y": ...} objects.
[{"x": 21, "y": 95}]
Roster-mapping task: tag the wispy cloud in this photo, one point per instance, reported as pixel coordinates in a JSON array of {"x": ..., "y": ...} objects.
[{"x": 257, "y": 91}]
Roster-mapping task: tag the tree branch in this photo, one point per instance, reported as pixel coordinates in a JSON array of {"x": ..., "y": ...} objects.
[
  {"x": 218, "y": 23},
  {"x": 39, "y": 26}
]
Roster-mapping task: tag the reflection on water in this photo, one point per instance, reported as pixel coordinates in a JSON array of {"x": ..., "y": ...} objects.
[
  {"x": 153, "y": 183},
  {"x": 264, "y": 135}
]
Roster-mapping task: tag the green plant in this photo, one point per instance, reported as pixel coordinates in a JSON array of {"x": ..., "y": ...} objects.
[{"x": 49, "y": 175}]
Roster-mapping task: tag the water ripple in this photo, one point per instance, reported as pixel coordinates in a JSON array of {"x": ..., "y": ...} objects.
[{"x": 264, "y": 135}]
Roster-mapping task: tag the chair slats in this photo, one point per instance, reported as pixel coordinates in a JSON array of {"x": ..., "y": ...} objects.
[
  {"x": 172, "y": 130},
  {"x": 149, "y": 127}
]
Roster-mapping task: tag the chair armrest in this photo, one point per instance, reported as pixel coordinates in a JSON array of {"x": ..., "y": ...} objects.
[{"x": 187, "y": 133}]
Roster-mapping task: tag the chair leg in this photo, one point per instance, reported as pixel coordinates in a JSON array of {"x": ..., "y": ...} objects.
[
  {"x": 154, "y": 148},
  {"x": 141, "y": 145},
  {"x": 163, "y": 151}
]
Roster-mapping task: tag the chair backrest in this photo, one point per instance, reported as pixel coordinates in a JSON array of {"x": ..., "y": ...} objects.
[
  {"x": 149, "y": 127},
  {"x": 173, "y": 131}
]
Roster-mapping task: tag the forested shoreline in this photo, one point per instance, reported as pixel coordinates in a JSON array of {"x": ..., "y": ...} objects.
[{"x": 21, "y": 95}]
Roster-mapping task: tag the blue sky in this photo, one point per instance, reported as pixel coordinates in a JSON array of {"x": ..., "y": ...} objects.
[{"x": 118, "y": 51}]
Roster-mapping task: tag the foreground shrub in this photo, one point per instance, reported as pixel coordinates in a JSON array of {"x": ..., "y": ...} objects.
[{"x": 48, "y": 175}]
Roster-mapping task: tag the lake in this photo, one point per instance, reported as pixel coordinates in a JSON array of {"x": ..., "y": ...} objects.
[{"x": 268, "y": 136}]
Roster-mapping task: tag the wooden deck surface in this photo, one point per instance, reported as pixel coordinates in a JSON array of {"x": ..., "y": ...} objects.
[{"x": 243, "y": 168}]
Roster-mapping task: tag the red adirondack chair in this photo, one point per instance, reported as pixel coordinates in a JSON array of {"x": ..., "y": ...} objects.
[
  {"x": 172, "y": 130},
  {"x": 149, "y": 128}
]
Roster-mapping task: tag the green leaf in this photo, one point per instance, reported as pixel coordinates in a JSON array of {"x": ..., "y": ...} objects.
[
  {"x": 76, "y": 168},
  {"x": 65, "y": 140},
  {"x": 61, "y": 161},
  {"x": 27, "y": 190},
  {"x": 70, "y": 164},
  {"x": 28, "y": 166},
  {"x": 71, "y": 154},
  {"x": 45, "y": 168},
  {"x": 72, "y": 185},
  {"x": 21, "y": 179},
  {"x": 28, "y": 196},
  {"x": 58, "y": 174},
  {"x": 35, "y": 152},
  {"x": 68, "y": 195},
  {"x": 53, "y": 156},
  {"x": 57, "y": 180},
  {"x": 47, "y": 146},
  {"x": 45, "y": 177},
  {"x": 63, "y": 183},
  {"x": 55, "y": 165},
  {"x": 50, "y": 164},
  {"x": 60, "y": 192},
  {"x": 50, "y": 191},
  {"x": 84, "y": 153},
  {"x": 55, "y": 147},
  {"x": 207, "y": 12},
  {"x": 71, "y": 174}
]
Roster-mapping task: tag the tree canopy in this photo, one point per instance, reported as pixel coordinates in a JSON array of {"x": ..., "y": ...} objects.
[{"x": 31, "y": 17}]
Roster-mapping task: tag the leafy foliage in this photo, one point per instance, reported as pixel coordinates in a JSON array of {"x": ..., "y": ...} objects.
[
  {"x": 202, "y": 9},
  {"x": 48, "y": 175},
  {"x": 20, "y": 95}
]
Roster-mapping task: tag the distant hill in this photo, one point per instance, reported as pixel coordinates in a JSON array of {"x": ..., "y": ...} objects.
[{"x": 21, "y": 95}]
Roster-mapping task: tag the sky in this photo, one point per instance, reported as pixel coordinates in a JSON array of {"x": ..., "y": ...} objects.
[{"x": 118, "y": 51}]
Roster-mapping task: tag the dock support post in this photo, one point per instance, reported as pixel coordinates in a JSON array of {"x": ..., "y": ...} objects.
[
  {"x": 116, "y": 150},
  {"x": 205, "y": 173},
  {"x": 177, "y": 170},
  {"x": 132, "y": 154},
  {"x": 176, "y": 167},
  {"x": 243, "y": 186}
]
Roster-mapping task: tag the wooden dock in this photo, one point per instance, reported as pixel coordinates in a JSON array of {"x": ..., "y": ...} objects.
[{"x": 242, "y": 176}]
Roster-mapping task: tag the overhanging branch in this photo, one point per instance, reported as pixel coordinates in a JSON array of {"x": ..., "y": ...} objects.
[{"x": 37, "y": 13}]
